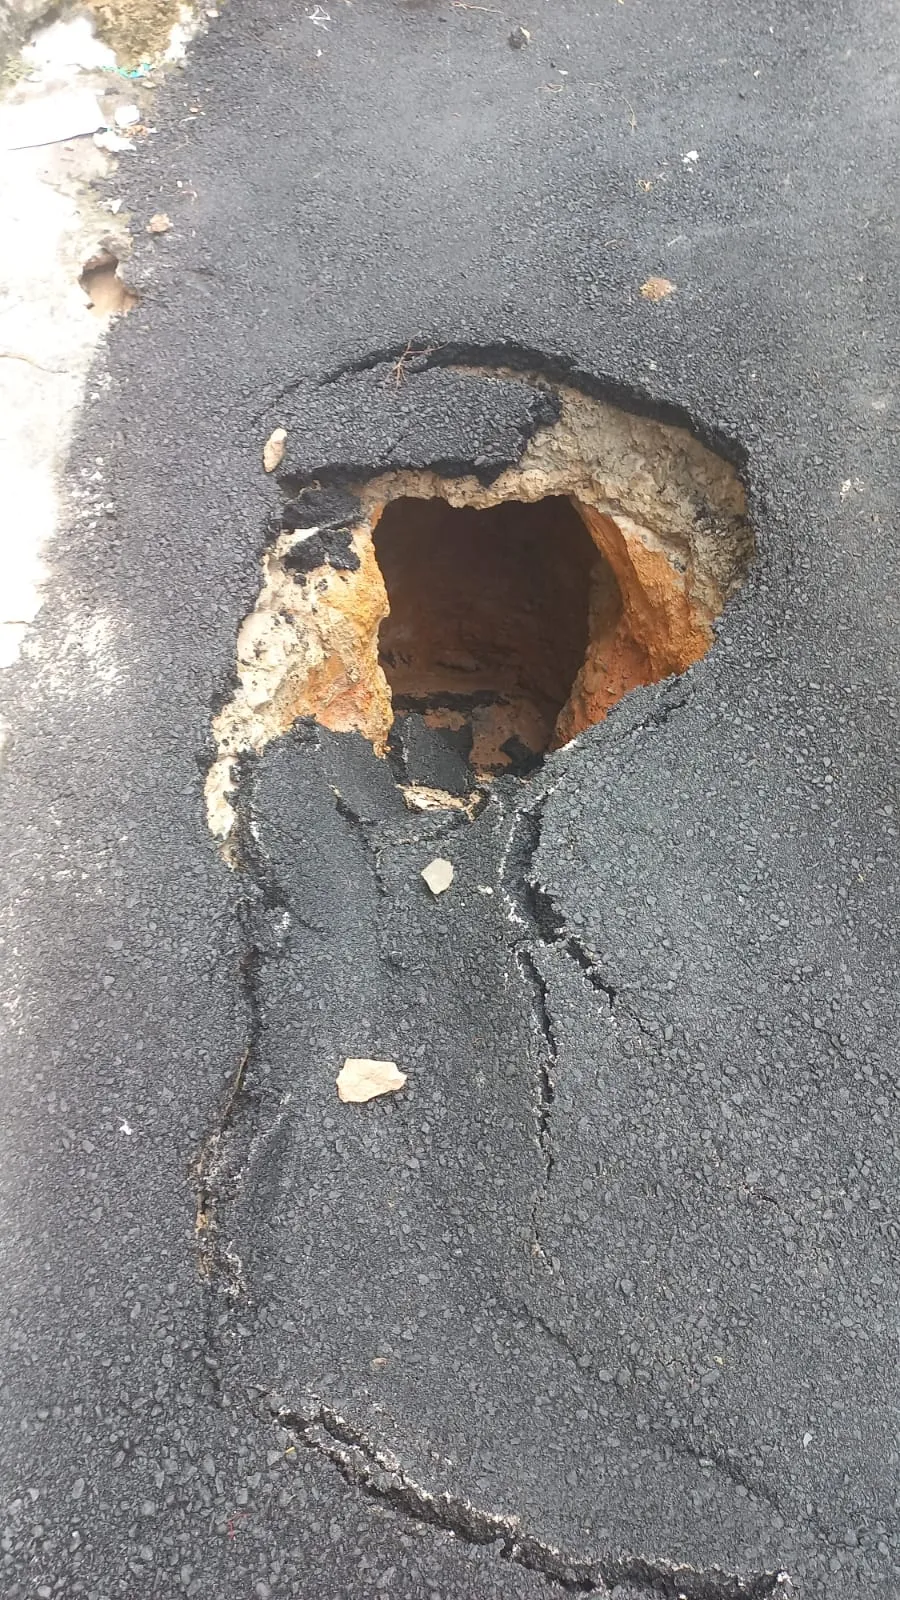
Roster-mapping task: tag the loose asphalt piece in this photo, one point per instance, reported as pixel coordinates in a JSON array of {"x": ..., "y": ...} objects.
[{"x": 607, "y": 1294}]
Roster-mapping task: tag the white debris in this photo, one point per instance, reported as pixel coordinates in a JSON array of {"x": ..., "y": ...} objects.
[
  {"x": 273, "y": 449},
  {"x": 66, "y": 44},
  {"x": 689, "y": 157},
  {"x": 438, "y": 875},
  {"x": 417, "y": 797},
  {"x": 115, "y": 143},
  {"x": 181, "y": 34},
  {"x": 49, "y": 119},
  {"x": 48, "y": 334},
  {"x": 127, "y": 116},
  {"x": 360, "y": 1079}
]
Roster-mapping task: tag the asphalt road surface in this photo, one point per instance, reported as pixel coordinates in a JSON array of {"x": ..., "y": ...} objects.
[{"x": 609, "y": 1297}]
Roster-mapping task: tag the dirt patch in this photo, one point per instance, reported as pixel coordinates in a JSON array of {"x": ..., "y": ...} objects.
[
  {"x": 523, "y": 609},
  {"x": 137, "y": 30}
]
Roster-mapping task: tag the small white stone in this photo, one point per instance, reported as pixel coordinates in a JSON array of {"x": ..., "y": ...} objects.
[
  {"x": 360, "y": 1079},
  {"x": 438, "y": 875},
  {"x": 115, "y": 143},
  {"x": 273, "y": 449}
]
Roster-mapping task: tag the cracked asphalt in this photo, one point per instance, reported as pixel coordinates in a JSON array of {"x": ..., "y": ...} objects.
[{"x": 607, "y": 1298}]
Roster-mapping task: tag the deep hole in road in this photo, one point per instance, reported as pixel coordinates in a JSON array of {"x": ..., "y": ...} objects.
[
  {"x": 489, "y": 618},
  {"x": 108, "y": 294},
  {"x": 501, "y": 618},
  {"x": 515, "y": 612}
]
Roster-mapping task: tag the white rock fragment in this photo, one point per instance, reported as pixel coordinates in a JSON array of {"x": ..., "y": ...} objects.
[
  {"x": 273, "y": 449},
  {"x": 115, "y": 143},
  {"x": 438, "y": 875},
  {"x": 360, "y": 1079}
]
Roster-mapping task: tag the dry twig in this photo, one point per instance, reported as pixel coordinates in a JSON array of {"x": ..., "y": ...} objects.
[{"x": 397, "y": 374}]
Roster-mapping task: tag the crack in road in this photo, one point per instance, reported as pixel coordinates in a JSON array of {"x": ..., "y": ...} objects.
[
  {"x": 218, "y": 1262},
  {"x": 530, "y": 907},
  {"x": 677, "y": 1441},
  {"x": 546, "y": 1091},
  {"x": 504, "y": 356},
  {"x": 380, "y": 1476},
  {"x": 536, "y": 924}
]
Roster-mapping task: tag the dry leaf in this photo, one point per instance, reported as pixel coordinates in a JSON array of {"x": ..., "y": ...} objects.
[
  {"x": 160, "y": 223},
  {"x": 273, "y": 449},
  {"x": 438, "y": 875},
  {"x": 360, "y": 1079},
  {"x": 657, "y": 288}
]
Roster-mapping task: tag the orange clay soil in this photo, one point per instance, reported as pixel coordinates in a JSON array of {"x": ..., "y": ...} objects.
[{"x": 545, "y": 613}]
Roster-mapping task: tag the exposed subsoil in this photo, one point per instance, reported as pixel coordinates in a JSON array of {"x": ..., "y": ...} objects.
[
  {"x": 137, "y": 30},
  {"x": 521, "y": 612},
  {"x": 108, "y": 293},
  {"x": 489, "y": 616}
]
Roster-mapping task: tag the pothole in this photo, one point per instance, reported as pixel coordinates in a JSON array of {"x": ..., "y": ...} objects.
[
  {"x": 489, "y": 620},
  {"x": 499, "y": 620},
  {"x": 108, "y": 294}
]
